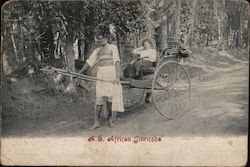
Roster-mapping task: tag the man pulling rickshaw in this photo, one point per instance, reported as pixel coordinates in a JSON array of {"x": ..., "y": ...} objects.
[{"x": 107, "y": 61}]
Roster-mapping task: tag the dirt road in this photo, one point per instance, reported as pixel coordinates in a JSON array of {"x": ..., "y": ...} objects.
[{"x": 219, "y": 106}]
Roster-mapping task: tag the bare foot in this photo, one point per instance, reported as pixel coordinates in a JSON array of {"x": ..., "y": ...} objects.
[
  {"x": 111, "y": 125},
  {"x": 97, "y": 124}
]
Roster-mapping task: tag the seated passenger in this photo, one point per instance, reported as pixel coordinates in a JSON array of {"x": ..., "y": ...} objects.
[{"x": 147, "y": 56}]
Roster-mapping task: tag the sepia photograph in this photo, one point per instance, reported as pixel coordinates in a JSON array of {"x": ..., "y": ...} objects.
[{"x": 124, "y": 82}]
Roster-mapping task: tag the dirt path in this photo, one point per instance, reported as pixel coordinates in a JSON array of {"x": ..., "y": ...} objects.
[{"x": 219, "y": 107}]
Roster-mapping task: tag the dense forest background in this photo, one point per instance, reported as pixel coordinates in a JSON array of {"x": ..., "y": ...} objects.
[{"x": 59, "y": 32}]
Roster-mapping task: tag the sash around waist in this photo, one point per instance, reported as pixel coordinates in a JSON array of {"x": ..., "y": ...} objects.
[{"x": 105, "y": 62}]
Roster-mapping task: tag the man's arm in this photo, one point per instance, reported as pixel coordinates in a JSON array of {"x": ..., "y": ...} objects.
[
  {"x": 90, "y": 61},
  {"x": 116, "y": 60},
  {"x": 84, "y": 68},
  {"x": 118, "y": 71},
  {"x": 137, "y": 50}
]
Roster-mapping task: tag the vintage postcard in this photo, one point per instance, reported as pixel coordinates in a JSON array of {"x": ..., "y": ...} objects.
[{"x": 125, "y": 82}]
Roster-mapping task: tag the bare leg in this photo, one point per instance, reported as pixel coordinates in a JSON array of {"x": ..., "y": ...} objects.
[
  {"x": 97, "y": 123},
  {"x": 110, "y": 119},
  {"x": 137, "y": 67},
  {"x": 147, "y": 99}
]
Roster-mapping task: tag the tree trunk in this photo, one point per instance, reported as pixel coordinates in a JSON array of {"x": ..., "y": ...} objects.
[
  {"x": 70, "y": 62},
  {"x": 82, "y": 49},
  {"x": 192, "y": 22},
  {"x": 21, "y": 44},
  {"x": 69, "y": 57},
  {"x": 13, "y": 42},
  {"x": 220, "y": 11},
  {"x": 177, "y": 16}
]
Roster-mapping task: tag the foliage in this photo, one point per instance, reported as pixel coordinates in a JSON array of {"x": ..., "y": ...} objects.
[{"x": 56, "y": 24}]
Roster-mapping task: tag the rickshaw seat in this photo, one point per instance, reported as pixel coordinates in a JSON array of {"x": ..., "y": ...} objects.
[{"x": 149, "y": 70}]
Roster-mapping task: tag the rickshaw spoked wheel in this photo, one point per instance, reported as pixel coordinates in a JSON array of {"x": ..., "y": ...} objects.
[
  {"x": 132, "y": 97},
  {"x": 171, "y": 89}
]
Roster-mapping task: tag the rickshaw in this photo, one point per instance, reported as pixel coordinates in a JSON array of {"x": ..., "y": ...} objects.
[{"x": 167, "y": 81}]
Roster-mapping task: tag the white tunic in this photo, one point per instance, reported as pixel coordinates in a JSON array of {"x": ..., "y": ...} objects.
[
  {"x": 149, "y": 54},
  {"x": 146, "y": 54},
  {"x": 107, "y": 73}
]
